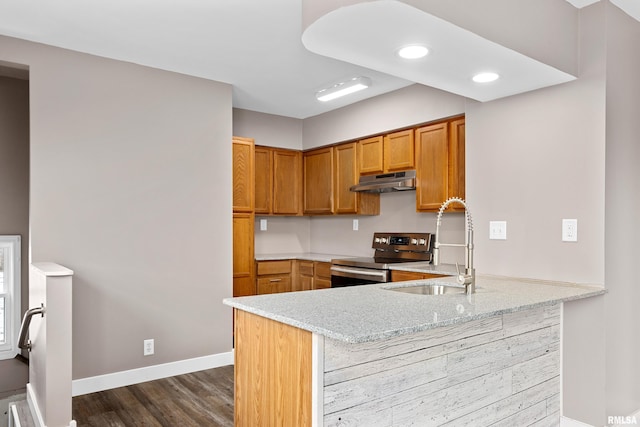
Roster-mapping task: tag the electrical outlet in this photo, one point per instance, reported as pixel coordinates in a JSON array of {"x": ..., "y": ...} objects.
[
  {"x": 355, "y": 225},
  {"x": 569, "y": 230},
  {"x": 498, "y": 230},
  {"x": 148, "y": 347},
  {"x": 263, "y": 224}
]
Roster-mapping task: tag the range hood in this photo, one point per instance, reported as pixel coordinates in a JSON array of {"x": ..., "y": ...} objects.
[{"x": 397, "y": 181}]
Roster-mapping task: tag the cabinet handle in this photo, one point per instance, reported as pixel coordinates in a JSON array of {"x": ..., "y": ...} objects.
[{"x": 275, "y": 280}]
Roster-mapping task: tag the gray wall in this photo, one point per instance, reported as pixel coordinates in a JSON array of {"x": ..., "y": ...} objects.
[
  {"x": 14, "y": 168},
  {"x": 130, "y": 187},
  {"x": 623, "y": 205}
]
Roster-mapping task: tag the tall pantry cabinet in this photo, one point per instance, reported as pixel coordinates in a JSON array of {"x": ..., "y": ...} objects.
[{"x": 243, "y": 216}]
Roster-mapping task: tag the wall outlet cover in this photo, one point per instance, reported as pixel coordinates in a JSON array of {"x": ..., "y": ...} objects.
[
  {"x": 498, "y": 230},
  {"x": 263, "y": 224},
  {"x": 569, "y": 230},
  {"x": 148, "y": 347}
]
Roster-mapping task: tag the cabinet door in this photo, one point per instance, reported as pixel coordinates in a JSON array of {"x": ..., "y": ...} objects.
[
  {"x": 287, "y": 182},
  {"x": 243, "y": 174},
  {"x": 243, "y": 248},
  {"x": 346, "y": 175},
  {"x": 318, "y": 181},
  {"x": 371, "y": 154},
  {"x": 322, "y": 277},
  {"x": 399, "y": 151},
  {"x": 264, "y": 178},
  {"x": 432, "y": 166}
]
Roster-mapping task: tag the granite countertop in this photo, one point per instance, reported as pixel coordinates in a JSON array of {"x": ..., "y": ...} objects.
[
  {"x": 307, "y": 256},
  {"x": 371, "y": 312}
]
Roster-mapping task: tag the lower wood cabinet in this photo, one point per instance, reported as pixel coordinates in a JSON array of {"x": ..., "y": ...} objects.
[
  {"x": 273, "y": 276},
  {"x": 243, "y": 258},
  {"x": 304, "y": 275},
  {"x": 403, "y": 276},
  {"x": 322, "y": 275}
]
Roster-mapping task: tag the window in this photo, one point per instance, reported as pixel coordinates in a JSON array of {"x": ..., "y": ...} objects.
[{"x": 9, "y": 295}]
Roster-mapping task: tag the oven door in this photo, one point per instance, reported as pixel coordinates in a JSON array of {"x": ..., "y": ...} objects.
[{"x": 351, "y": 276}]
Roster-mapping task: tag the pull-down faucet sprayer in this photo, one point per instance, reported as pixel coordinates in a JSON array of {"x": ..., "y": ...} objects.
[{"x": 468, "y": 279}]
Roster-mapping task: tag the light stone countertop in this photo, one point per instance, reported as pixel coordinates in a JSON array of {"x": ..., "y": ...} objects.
[
  {"x": 307, "y": 256},
  {"x": 357, "y": 314}
]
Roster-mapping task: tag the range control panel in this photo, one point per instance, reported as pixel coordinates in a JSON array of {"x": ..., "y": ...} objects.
[{"x": 410, "y": 246}]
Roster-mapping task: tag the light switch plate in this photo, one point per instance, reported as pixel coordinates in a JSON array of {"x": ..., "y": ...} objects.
[
  {"x": 263, "y": 224},
  {"x": 498, "y": 230},
  {"x": 355, "y": 225},
  {"x": 569, "y": 230}
]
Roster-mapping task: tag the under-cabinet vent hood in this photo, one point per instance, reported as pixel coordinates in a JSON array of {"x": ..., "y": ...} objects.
[{"x": 397, "y": 181}]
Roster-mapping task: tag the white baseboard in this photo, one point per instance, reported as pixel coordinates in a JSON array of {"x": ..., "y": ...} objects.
[
  {"x": 149, "y": 373},
  {"x": 570, "y": 422}
]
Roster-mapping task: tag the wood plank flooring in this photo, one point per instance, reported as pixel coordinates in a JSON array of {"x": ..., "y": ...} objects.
[{"x": 198, "y": 399}]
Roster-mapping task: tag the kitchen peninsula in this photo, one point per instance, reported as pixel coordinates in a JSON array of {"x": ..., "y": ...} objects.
[{"x": 369, "y": 355}]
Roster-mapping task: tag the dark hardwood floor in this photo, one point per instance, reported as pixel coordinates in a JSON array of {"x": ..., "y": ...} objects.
[{"x": 198, "y": 399}]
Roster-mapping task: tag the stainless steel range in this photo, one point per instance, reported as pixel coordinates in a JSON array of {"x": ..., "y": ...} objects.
[{"x": 389, "y": 248}]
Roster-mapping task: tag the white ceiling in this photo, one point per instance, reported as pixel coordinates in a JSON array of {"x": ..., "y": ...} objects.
[{"x": 255, "y": 45}]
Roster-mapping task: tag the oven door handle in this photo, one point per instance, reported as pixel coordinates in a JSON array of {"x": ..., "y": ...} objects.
[{"x": 361, "y": 272}]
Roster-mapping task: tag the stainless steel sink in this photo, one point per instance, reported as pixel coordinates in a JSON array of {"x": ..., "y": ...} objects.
[{"x": 430, "y": 289}]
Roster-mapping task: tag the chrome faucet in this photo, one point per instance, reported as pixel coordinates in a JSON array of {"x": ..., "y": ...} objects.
[{"x": 468, "y": 279}]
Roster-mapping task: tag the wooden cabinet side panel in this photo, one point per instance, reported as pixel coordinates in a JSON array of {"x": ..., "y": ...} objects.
[
  {"x": 263, "y": 180},
  {"x": 399, "y": 151},
  {"x": 243, "y": 255},
  {"x": 273, "y": 366},
  {"x": 287, "y": 182},
  {"x": 457, "y": 158},
  {"x": 402, "y": 276},
  {"x": 432, "y": 170},
  {"x": 318, "y": 181},
  {"x": 243, "y": 174},
  {"x": 371, "y": 153}
]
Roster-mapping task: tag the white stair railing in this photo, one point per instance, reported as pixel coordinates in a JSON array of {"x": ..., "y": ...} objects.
[{"x": 49, "y": 345}]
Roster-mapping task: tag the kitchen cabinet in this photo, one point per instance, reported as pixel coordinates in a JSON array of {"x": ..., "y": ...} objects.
[
  {"x": 346, "y": 174},
  {"x": 439, "y": 164},
  {"x": 243, "y": 178},
  {"x": 387, "y": 153},
  {"x": 403, "y": 276},
  {"x": 243, "y": 255},
  {"x": 318, "y": 181},
  {"x": 321, "y": 275},
  {"x": 303, "y": 272},
  {"x": 399, "y": 151},
  {"x": 371, "y": 155},
  {"x": 278, "y": 181},
  {"x": 273, "y": 276},
  {"x": 243, "y": 217}
]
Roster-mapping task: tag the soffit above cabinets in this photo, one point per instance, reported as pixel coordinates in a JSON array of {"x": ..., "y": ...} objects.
[{"x": 369, "y": 34}]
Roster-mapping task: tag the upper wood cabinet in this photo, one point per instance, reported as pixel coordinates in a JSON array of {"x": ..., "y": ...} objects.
[
  {"x": 387, "y": 153},
  {"x": 318, "y": 181},
  {"x": 399, "y": 151},
  {"x": 278, "y": 181},
  {"x": 439, "y": 164},
  {"x": 346, "y": 174},
  {"x": 243, "y": 178},
  {"x": 371, "y": 155}
]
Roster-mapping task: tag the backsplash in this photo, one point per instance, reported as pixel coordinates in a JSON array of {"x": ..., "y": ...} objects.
[{"x": 335, "y": 234}]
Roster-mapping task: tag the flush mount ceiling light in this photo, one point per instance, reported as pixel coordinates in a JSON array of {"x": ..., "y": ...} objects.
[
  {"x": 485, "y": 77},
  {"x": 413, "y": 52},
  {"x": 343, "y": 88}
]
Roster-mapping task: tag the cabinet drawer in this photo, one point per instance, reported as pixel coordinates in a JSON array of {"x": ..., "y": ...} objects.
[
  {"x": 323, "y": 270},
  {"x": 274, "y": 284},
  {"x": 305, "y": 268},
  {"x": 274, "y": 267}
]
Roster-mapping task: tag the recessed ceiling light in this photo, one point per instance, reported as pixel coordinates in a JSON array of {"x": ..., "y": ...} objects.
[
  {"x": 413, "y": 52},
  {"x": 343, "y": 88},
  {"x": 485, "y": 77}
]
